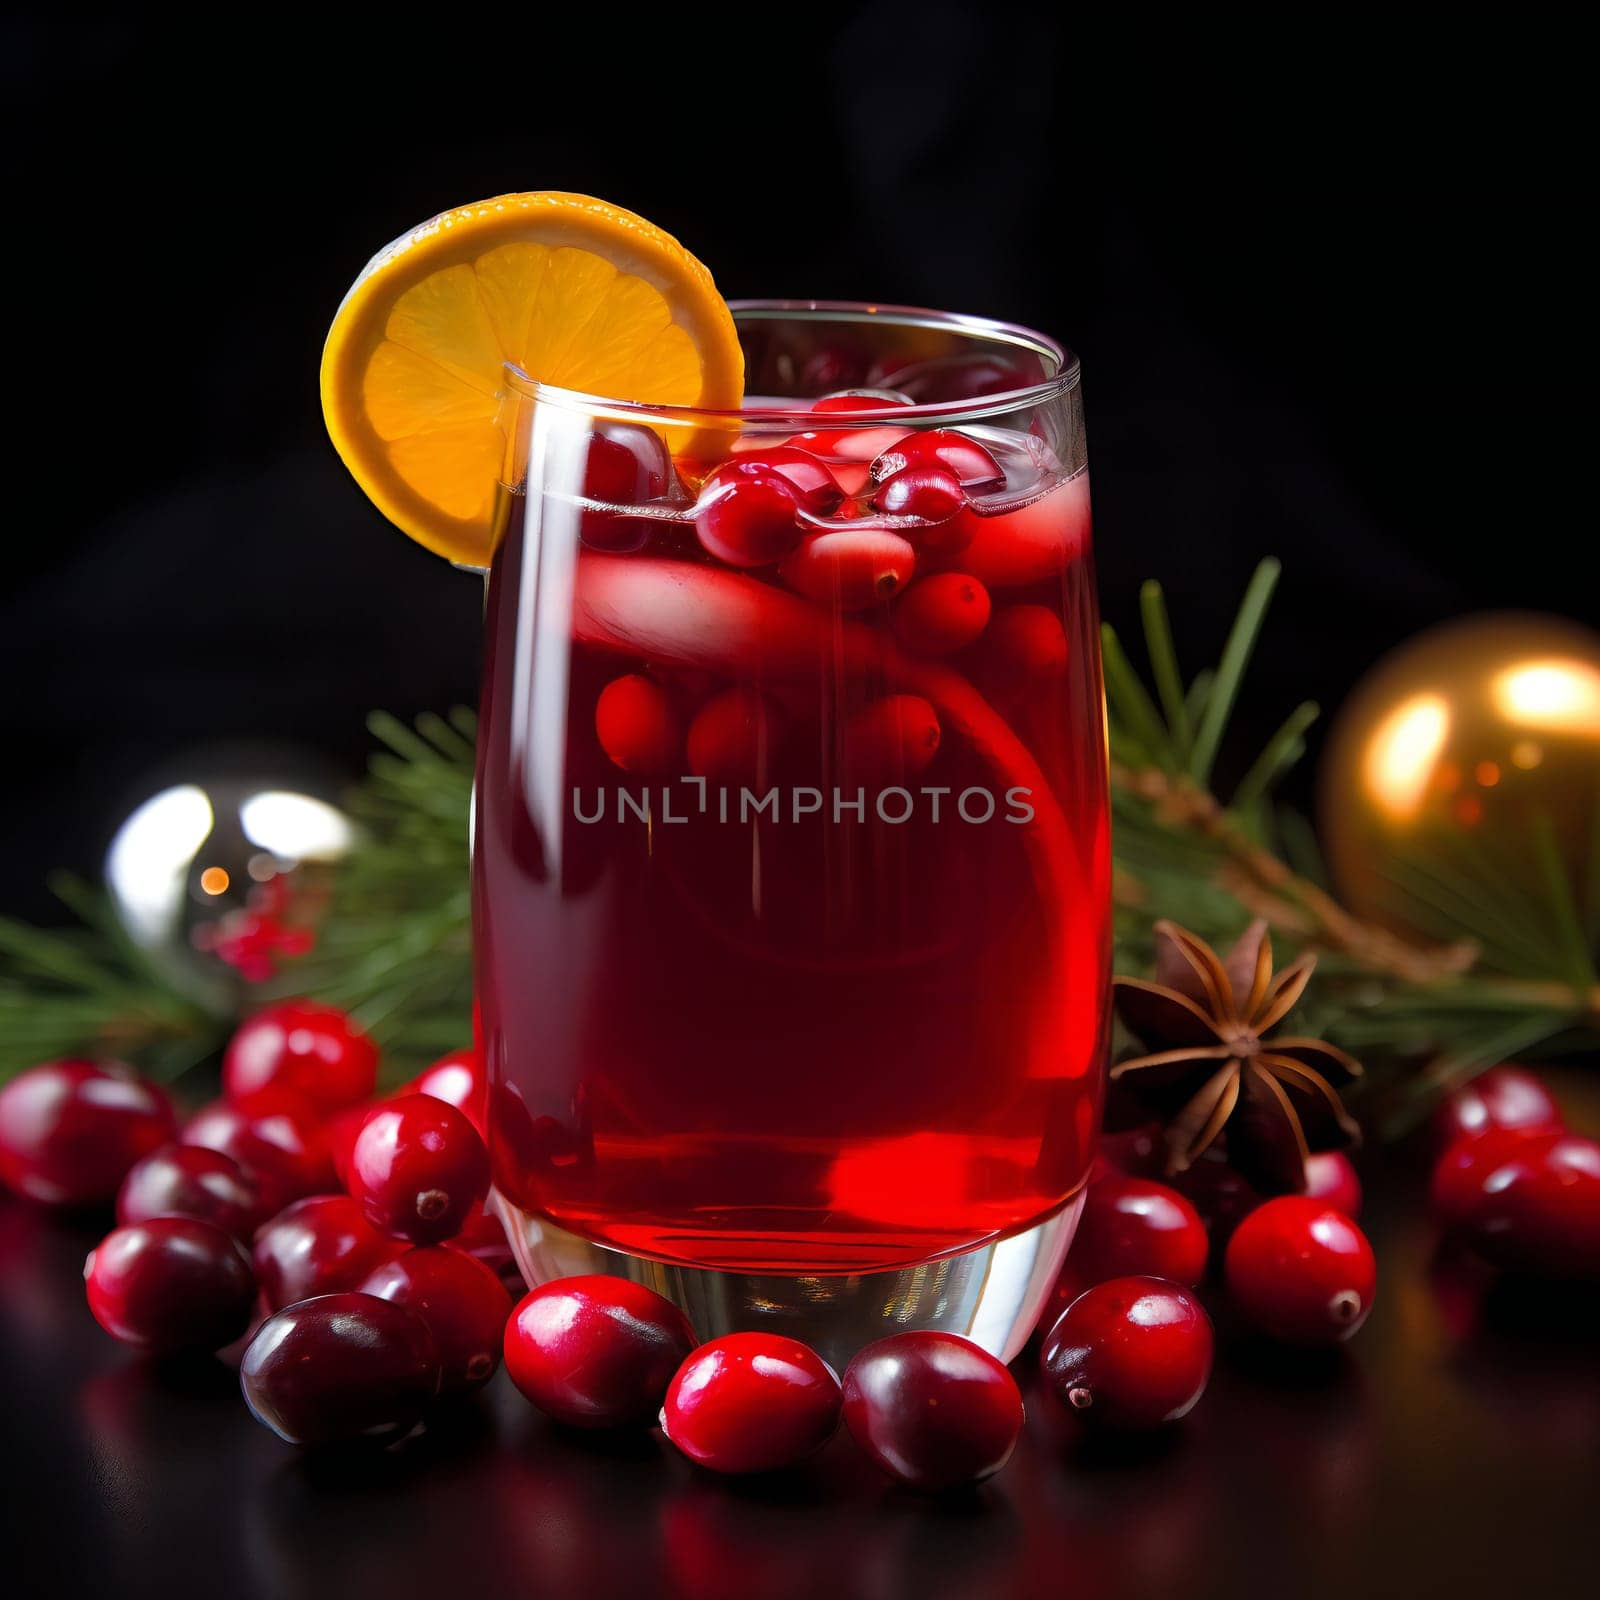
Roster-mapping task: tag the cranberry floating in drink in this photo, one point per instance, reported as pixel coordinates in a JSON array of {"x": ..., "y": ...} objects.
[{"x": 791, "y": 861}]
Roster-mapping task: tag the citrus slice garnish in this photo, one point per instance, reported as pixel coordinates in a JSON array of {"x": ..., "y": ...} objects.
[{"x": 576, "y": 292}]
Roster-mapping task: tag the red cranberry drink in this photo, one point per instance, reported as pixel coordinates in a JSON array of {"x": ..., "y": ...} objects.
[{"x": 791, "y": 858}]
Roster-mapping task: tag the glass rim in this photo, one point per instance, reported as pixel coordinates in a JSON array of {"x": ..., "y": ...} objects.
[{"x": 797, "y": 417}]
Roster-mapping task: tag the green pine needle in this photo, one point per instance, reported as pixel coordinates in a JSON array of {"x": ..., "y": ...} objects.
[{"x": 1230, "y": 670}]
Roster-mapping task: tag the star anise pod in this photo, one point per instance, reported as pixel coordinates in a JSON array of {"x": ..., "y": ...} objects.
[{"x": 1212, "y": 1066}]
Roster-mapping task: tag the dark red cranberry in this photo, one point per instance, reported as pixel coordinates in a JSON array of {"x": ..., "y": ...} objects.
[
  {"x": 852, "y": 569},
  {"x": 342, "y": 1130},
  {"x": 483, "y": 1237},
  {"x": 638, "y": 728},
  {"x": 596, "y": 1351},
  {"x": 319, "y": 1245},
  {"x": 275, "y": 1136},
  {"x": 939, "y": 615},
  {"x": 1503, "y": 1097},
  {"x": 459, "y": 1079},
  {"x": 931, "y": 493},
  {"x": 932, "y": 1409},
  {"x": 734, "y": 738},
  {"x": 170, "y": 1284},
  {"x": 1131, "y": 1227},
  {"x": 748, "y": 520},
  {"x": 70, "y": 1130},
  {"x": 751, "y": 1402},
  {"x": 1331, "y": 1177},
  {"x": 834, "y": 366},
  {"x": 1221, "y": 1195},
  {"x": 184, "y": 1180},
  {"x": 340, "y": 1367},
  {"x": 1300, "y": 1271},
  {"x": 815, "y": 487},
  {"x": 1131, "y": 1353},
  {"x": 1459, "y": 1174},
  {"x": 1023, "y": 647},
  {"x": 889, "y": 742},
  {"x": 964, "y": 459},
  {"x": 1139, "y": 1152},
  {"x": 1528, "y": 1201},
  {"x": 313, "y": 1051},
  {"x": 418, "y": 1168},
  {"x": 624, "y": 465},
  {"x": 463, "y": 1304}
]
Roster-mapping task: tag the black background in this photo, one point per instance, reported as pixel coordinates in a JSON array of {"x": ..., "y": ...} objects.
[{"x": 1325, "y": 280}]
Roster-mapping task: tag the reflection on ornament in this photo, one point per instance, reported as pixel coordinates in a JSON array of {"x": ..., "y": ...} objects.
[
  {"x": 1467, "y": 733},
  {"x": 199, "y": 877}
]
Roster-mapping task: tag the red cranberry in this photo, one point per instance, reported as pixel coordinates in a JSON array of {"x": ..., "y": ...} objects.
[
  {"x": 340, "y": 1367},
  {"x": 70, "y": 1130},
  {"x": 890, "y": 741},
  {"x": 834, "y": 366},
  {"x": 1503, "y": 1097},
  {"x": 483, "y": 1237},
  {"x": 1530, "y": 1201},
  {"x": 313, "y": 1051},
  {"x": 596, "y": 1351},
  {"x": 748, "y": 521},
  {"x": 1332, "y": 1179},
  {"x": 638, "y": 727},
  {"x": 624, "y": 465},
  {"x": 1220, "y": 1194},
  {"x": 1023, "y": 647},
  {"x": 418, "y": 1168},
  {"x": 170, "y": 1284},
  {"x": 964, "y": 459},
  {"x": 1139, "y": 1152},
  {"x": 927, "y": 492},
  {"x": 1301, "y": 1271},
  {"x": 852, "y": 569},
  {"x": 459, "y": 1079},
  {"x": 942, "y": 614},
  {"x": 852, "y": 400},
  {"x": 751, "y": 1402},
  {"x": 275, "y": 1136},
  {"x": 1131, "y": 1353},
  {"x": 1131, "y": 1227},
  {"x": 931, "y": 1409},
  {"x": 463, "y": 1304},
  {"x": 183, "y": 1180},
  {"x": 733, "y": 738},
  {"x": 342, "y": 1130},
  {"x": 814, "y": 486},
  {"x": 317, "y": 1246}
]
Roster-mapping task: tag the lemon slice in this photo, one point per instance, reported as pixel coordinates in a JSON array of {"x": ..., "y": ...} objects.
[{"x": 574, "y": 291}]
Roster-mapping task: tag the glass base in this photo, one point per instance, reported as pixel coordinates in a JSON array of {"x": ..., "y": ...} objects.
[{"x": 991, "y": 1295}]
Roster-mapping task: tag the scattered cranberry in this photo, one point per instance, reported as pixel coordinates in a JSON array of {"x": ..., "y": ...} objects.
[
  {"x": 483, "y": 1237},
  {"x": 942, "y": 614},
  {"x": 748, "y": 521},
  {"x": 70, "y": 1130},
  {"x": 637, "y": 726},
  {"x": 890, "y": 741},
  {"x": 624, "y": 465},
  {"x": 1131, "y": 1353},
  {"x": 927, "y": 492},
  {"x": 418, "y": 1168},
  {"x": 852, "y": 569},
  {"x": 1139, "y": 1152},
  {"x": 275, "y": 1136},
  {"x": 463, "y": 1304},
  {"x": 814, "y": 486},
  {"x": 170, "y": 1284},
  {"x": 964, "y": 459},
  {"x": 340, "y": 1367},
  {"x": 733, "y": 738},
  {"x": 1222, "y": 1196},
  {"x": 596, "y": 1351},
  {"x": 1332, "y": 1178},
  {"x": 313, "y": 1051},
  {"x": 1460, "y": 1173},
  {"x": 1534, "y": 1203},
  {"x": 184, "y": 1180},
  {"x": 459, "y": 1080},
  {"x": 319, "y": 1245},
  {"x": 751, "y": 1402},
  {"x": 1024, "y": 646},
  {"x": 931, "y": 1409},
  {"x": 1301, "y": 1271},
  {"x": 1503, "y": 1097},
  {"x": 1131, "y": 1227}
]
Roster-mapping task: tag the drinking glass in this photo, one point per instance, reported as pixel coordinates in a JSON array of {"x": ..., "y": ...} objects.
[{"x": 792, "y": 855}]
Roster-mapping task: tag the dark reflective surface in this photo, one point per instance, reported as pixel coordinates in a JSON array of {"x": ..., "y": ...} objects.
[{"x": 1451, "y": 1451}]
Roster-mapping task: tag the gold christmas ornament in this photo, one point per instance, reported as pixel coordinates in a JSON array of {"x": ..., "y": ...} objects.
[{"x": 1463, "y": 742}]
